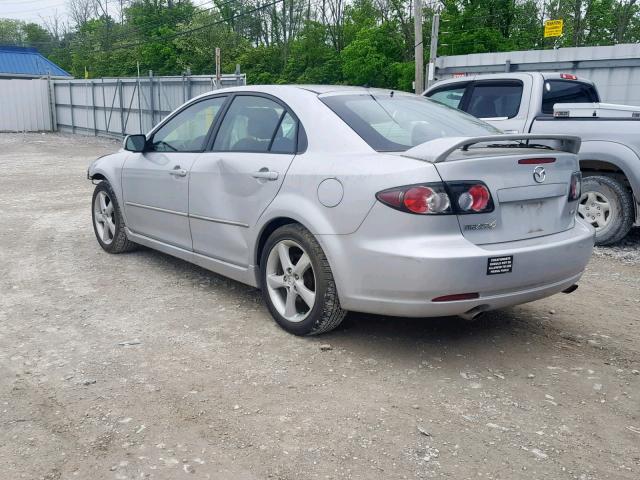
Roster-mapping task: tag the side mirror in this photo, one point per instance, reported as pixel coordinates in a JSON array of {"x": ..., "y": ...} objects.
[{"x": 135, "y": 143}]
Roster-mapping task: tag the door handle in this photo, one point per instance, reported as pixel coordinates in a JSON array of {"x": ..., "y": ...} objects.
[
  {"x": 265, "y": 174},
  {"x": 178, "y": 172}
]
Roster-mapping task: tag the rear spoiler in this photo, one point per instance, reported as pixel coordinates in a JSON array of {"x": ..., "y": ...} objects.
[{"x": 438, "y": 150}]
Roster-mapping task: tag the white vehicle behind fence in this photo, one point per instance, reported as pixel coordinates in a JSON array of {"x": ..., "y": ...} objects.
[{"x": 561, "y": 103}]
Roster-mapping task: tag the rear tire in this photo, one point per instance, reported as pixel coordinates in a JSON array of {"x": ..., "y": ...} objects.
[
  {"x": 108, "y": 222},
  {"x": 297, "y": 283},
  {"x": 608, "y": 206}
]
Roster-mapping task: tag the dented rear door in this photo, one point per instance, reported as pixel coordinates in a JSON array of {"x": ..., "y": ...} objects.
[{"x": 226, "y": 198}]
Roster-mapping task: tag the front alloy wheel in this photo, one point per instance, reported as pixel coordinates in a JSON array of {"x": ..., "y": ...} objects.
[
  {"x": 108, "y": 222},
  {"x": 104, "y": 217}
]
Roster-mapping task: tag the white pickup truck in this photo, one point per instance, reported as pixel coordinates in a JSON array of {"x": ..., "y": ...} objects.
[{"x": 560, "y": 103}]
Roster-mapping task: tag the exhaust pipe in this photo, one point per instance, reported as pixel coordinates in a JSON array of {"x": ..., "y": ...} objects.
[
  {"x": 474, "y": 313},
  {"x": 571, "y": 289}
]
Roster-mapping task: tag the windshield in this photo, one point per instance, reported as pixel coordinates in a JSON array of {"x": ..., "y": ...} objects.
[{"x": 395, "y": 123}]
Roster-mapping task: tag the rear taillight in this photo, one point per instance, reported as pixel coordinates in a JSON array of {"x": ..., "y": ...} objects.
[
  {"x": 568, "y": 76},
  {"x": 575, "y": 186},
  {"x": 424, "y": 199},
  {"x": 470, "y": 197},
  {"x": 475, "y": 199},
  {"x": 439, "y": 198}
]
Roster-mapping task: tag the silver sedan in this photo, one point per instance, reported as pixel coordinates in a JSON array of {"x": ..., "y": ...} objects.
[{"x": 333, "y": 199}]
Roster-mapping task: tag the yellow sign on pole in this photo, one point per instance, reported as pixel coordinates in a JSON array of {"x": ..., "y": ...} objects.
[{"x": 553, "y": 28}]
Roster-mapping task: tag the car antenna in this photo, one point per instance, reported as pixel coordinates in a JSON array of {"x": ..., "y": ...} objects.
[{"x": 391, "y": 93}]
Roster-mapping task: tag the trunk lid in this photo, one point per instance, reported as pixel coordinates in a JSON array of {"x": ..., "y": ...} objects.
[{"x": 529, "y": 187}]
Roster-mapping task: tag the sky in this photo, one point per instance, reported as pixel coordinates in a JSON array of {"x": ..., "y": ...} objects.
[{"x": 32, "y": 10}]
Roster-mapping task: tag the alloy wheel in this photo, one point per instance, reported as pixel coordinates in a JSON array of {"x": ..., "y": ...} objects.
[
  {"x": 291, "y": 281},
  {"x": 104, "y": 217}
]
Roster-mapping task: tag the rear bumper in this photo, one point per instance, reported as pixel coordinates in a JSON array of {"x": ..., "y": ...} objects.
[{"x": 400, "y": 276}]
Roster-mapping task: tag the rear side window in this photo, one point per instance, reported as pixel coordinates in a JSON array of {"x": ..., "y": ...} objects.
[
  {"x": 451, "y": 97},
  {"x": 250, "y": 125},
  {"x": 566, "y": 91},
  {"x": 495, "y": 100}
]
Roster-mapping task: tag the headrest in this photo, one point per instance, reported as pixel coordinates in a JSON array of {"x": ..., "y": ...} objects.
[{"x": 261, "y": 122}]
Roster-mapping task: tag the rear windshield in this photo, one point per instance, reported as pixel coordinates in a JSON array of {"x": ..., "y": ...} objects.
[
  {"x": 495, "y": 100},
  {"x": 566, "y": 91},
  {"x": 395, "y": 123}
]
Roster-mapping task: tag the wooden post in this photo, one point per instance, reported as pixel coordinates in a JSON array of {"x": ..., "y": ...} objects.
[
  {"x": 419, "y": 53},
  {"x": 104, "y": 107},
  {"x": 52, "y": 103},
  {"x": 218, "y": 73},
  {"x": 93, "y": 108},
  {"x": 139, "y": 105},
  {"x": 151, "y": 99},
  {"x": 433, "y": 50},
  {"x": 73, "y": 128},
  {"x": 119, "y": 86},
  {"x": 188, "y": 84}
]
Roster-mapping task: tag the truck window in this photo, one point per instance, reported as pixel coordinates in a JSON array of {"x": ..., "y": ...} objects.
[
  {"x": 566, "y": 91},
  {"x": 449, "y": 96},
  {"x": 495, "y": 100}
]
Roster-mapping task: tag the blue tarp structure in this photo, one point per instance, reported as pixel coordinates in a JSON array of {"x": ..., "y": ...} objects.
[{"x": 27, "y": 62}]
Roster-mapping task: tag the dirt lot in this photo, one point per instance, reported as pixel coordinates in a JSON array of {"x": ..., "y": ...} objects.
[{"x": 143, "y": 366}]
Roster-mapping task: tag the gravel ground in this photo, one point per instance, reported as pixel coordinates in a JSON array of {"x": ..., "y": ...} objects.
[
  {"x": 627, "y": 251},
  {"x": 143, "y": 366}
]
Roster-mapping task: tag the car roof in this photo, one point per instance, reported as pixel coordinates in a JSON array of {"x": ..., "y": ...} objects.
[
  {"x": 316, "y": 89},
  {"x": 504, "y": 76}
]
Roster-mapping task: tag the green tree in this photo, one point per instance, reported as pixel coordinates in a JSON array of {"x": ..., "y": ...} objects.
[{"x": 330, "y": 41}]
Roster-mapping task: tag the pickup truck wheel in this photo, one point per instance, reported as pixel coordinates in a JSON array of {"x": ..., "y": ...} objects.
[{"x": 608, "y": 206}]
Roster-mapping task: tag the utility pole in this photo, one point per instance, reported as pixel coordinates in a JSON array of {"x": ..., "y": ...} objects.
[
  {"x": 433, "y": 49},
  {"x": 419, "y": 53}
]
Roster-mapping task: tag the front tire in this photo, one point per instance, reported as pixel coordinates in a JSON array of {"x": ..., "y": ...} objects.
[
  {"x": 297, "y": 283},
  {"x": 608, "y": 206},
  {"x": 108, "y": 222}
]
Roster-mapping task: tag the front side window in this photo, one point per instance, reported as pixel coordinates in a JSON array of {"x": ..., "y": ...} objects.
[
  {"x": 495, "y": 100},
  {"x": 253, "y": 124},
  {"x": 396, "y": 122},
  {"x": 188, "y": 130},
  {"x": 565, "y": 91},
  {"x": 451, "y": 97}
]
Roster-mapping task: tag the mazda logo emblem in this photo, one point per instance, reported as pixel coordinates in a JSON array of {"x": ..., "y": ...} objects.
[{"x": 539, "y": 174}]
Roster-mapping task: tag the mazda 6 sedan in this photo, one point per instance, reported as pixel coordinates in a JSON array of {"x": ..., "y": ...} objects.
[{"x": 332, "y": 199}]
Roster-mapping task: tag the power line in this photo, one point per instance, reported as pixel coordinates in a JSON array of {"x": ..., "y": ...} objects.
[
  {"x": 158, "y": 23},
  {"x": 20, "y": 12},
  {"x": 201, "y": 27},
  {"x": 19, "y": 2},
  {"x": 136, "y": 28},
  {"x": 31, "y": 10},
  {"x": 181, "y": 33}
]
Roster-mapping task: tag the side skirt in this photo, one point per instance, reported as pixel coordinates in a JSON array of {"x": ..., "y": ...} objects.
[{"x": 235, "y": 272}]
